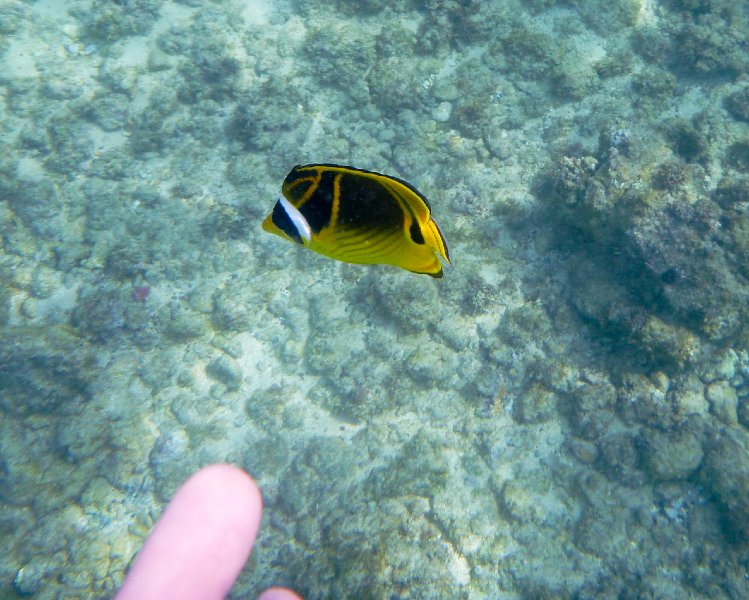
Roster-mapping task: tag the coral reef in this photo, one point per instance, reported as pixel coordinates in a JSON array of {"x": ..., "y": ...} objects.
[{"x": 564, "y": 415}]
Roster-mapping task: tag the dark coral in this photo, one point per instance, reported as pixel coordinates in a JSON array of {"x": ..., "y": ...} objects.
[
  {"x": 43, "y": 370},
  {"x": 737, "y": 104},
  {"x": 107, "y": 21},
  {"x": 737, "y": 156},
  {"x": 688, "y": 140},
  {"x": 673, "y": 264},
  {"x": 725, "y": 473},
  {"x": 709, "y": 37}
]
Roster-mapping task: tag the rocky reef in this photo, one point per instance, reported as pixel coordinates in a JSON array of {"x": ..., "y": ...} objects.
[{"x": 564, "y": 415}]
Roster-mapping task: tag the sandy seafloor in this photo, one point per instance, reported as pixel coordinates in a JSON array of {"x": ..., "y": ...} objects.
[{"x": 564, "y": 415}]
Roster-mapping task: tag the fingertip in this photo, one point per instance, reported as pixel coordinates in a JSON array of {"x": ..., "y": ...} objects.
[
  {"x": 233, "y": 490},
  {"x": 201, "y": 542},
  {"x": 279, "y": 593}
]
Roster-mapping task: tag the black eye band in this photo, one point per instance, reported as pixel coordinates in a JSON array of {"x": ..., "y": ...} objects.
[{"x": 283, "y": 222}]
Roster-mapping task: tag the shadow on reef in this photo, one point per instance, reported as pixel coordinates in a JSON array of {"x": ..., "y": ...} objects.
[
  {"x": 651, "y": 254},
  {"x": 655, "y": 263}
]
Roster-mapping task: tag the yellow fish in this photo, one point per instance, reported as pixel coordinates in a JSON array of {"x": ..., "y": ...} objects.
[{"x": 358, "y": 216}]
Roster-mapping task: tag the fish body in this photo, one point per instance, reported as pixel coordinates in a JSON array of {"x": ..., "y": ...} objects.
[{"x": 358, "y": 216}]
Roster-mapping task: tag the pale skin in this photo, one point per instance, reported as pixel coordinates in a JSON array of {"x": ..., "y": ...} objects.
[{"x": 201, "y": 542}]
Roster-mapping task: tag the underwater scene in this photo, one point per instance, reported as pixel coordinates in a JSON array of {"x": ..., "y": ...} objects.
[{"x": 463, "y": 285}]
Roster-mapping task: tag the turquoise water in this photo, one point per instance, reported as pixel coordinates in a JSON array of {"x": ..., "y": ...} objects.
[{"x": 564, "y": 415}]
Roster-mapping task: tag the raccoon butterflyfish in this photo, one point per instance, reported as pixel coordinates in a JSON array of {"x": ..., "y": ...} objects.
[{"x": 358, "y": 216}]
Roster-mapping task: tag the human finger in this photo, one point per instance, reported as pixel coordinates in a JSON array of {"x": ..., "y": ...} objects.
[
  {"x": 201, "y": 542},
  {"x": 278, "y": 593}
]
